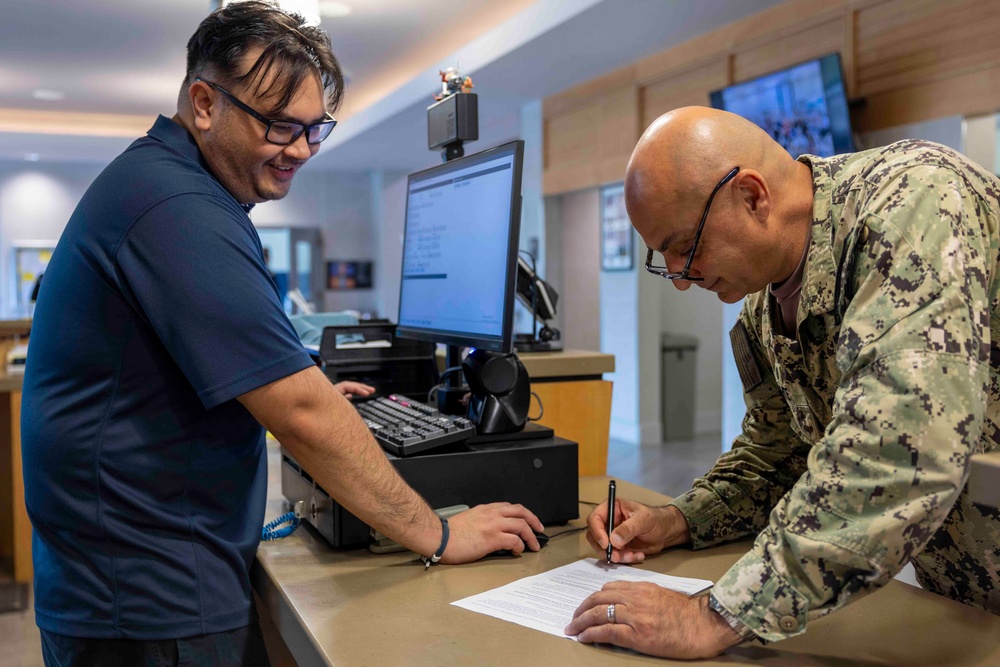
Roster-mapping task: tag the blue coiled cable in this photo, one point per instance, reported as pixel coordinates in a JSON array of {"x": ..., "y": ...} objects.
[{"x": 272, "y": 532}]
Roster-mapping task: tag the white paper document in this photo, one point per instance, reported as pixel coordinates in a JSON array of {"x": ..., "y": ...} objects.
[{"x": 547, "y": 601}]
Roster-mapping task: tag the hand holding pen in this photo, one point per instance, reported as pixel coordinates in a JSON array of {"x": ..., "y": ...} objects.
[
  {"x": 611, "y": 515},
  {"x": 641, "y": 530}
]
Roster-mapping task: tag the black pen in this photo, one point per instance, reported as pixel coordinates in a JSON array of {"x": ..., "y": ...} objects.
[{"x": 611, "y": 515}]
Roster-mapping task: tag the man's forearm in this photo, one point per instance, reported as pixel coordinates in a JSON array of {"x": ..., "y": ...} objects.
[{"x": 327, "y": 437}]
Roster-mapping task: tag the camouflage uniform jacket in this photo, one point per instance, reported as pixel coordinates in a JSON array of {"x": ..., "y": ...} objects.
[{"x": 855, "y": 447}]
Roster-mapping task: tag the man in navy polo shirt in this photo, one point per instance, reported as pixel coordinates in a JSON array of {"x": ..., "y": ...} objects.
[{"x": 159, "y": 348}]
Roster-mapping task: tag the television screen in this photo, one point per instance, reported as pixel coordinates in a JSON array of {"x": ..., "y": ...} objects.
[
  {"x": 804, "y": 107},
  {"x": 348, "y": 275}
]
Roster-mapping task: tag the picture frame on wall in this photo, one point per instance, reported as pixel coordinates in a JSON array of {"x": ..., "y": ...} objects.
[
  {"x": 31, "y": 258},
  {"x": 348, "y": 275},
  {"x": 617, "y": 249}
]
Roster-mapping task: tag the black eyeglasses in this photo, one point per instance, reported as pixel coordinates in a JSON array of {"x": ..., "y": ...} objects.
[
  {"x": 281, "y": 132},
  {"x": 663, "y": 271}
]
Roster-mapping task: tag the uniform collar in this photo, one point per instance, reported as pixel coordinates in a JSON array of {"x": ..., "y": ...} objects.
[
  {"x": 176, "y": 136},
  {"x": 819, "y": 282}
]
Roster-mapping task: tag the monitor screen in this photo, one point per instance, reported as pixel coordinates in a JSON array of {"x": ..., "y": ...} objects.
[
  {"x": 804, "y": 107},
  {"x": 460, "y": 250}
]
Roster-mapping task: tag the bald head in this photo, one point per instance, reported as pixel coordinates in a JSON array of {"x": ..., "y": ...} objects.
[
  {"x": 685, "y": 152},
  {"x": 757, "y": 223}
]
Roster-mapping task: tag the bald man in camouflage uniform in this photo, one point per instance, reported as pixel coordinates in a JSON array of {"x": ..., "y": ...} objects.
[{"x": 869, "y": 351}]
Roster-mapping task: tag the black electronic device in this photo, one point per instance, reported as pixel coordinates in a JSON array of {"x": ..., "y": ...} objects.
[
  {"x": 803, "y": 107},
  {"x": 542, "y": 475},
  {"x": 452, "y": 121},
  {"x": 405, "y": 427},
  {"x": 500, "y": 391},
  {"x": 459, "y": 271},
  {"x": 540, "y": 299},
  {"x": 373, "y": 354},
  {"x": 534, "y": 292}
]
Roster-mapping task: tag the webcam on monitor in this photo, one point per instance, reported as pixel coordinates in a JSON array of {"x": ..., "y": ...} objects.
[{"x": 453, "y": 120}]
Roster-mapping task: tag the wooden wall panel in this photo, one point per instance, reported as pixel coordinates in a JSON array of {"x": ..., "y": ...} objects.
[
  {"x": 920, "y": 42},
  {"x": 589, "y": 143},
  {"x": 569, "y": 137},
  {"x": 905, "y": 60},
  {"x": 968, "y": 95},
  {"x": 685, "y": 88},
  {"x": 798, "y": 46},
  {"x": 765, "y": 25}
]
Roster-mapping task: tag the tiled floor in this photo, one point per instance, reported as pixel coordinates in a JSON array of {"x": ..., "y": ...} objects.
[
  {"x": 667, "y": 467},
  {"x": 19, "y": 640}
]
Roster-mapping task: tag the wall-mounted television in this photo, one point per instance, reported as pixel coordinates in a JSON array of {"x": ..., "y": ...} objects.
[{"x": 804, "y": 107}]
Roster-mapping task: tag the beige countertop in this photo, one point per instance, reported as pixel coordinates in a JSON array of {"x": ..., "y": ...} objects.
[
  {"x": 14, "y": 327},
  {"x": 356, "y": 608},
  {"x": 561, "y": 364},
  {"x": 10, "y": 381},
  {"x": 567, "y": 363}
]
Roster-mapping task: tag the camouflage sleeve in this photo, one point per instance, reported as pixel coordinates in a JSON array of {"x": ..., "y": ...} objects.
[
  {"x": 734, "y": 499},
  {"x": 908, "y": 413}
]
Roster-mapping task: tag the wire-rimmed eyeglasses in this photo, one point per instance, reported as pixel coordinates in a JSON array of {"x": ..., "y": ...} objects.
[
  {"x": 663, "y": 271},
  {"x": 281, "y": 132}
]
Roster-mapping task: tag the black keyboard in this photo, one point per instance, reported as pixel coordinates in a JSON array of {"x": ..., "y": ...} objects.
[{"x": 404, "y": 427}]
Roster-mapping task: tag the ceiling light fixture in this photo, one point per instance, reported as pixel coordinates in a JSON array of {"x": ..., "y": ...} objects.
[
  {"x": 48, "y": 95},
  {"x": 32, "y": 157},
  {"x": 332, "y": 9},
  {"x": 309, "y": 9}
]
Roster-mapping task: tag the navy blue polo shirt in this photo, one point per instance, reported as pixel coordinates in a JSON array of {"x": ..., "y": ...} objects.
[{"x": 145, "y": 479}]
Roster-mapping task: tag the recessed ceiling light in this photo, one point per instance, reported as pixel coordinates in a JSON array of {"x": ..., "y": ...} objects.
[
  {"x": 32, "y": 157},
  {"x": 48, "y": 95},
  {"x": 334, "y": 9}
]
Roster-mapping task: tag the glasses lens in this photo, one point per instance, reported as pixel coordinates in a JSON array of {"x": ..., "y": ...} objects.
[
  {"x": 284, "y": 133},
  {"x": 320, "y": 131}
]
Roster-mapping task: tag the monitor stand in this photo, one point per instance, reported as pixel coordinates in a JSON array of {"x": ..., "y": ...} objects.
[
  {"x": 449, "y": 397},
  {"x": 531, "y": 431}
]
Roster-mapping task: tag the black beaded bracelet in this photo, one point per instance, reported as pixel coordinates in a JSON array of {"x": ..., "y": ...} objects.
[{"x": 430, "y": 560}]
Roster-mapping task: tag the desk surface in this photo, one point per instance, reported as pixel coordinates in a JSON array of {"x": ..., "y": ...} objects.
[
  {"x": 561, "y": 364},
  {"x": 355, "y": 608},
  {"x": 567, "y": 363},
  {"x": 10, "y": 381}
]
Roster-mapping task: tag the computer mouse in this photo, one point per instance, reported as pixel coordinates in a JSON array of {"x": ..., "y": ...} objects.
[{"x": 542, "y": 538}]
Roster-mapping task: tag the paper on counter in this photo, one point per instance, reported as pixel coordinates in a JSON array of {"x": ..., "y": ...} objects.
[{"x": 547, "y": 601}]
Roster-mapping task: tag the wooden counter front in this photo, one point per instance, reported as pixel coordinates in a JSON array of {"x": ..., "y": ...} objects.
[
  {"x": 576, "y": 400},
  {"x": 15, "y": 529}
]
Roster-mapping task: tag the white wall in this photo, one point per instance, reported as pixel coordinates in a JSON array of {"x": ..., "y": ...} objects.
[
  {"x": 578, "y": 236},
  {"x": 390, "y": 191},
  {"x": 340, "y": 204},
  {"x": 980, "y": 140},
  {"x": 698, "y": 313},
  {"x": 947, "y": 131},
  {"x": 36, "y": 200},
  {"x": 533, "y": 227}
]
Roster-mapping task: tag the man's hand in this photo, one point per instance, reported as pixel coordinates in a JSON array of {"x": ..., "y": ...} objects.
[
  {"x": 640, "y": 530},
  {"x": 488, "y": 528},
  {"x": 351, "y": 389},
  {"x": 652, "y": 620}
]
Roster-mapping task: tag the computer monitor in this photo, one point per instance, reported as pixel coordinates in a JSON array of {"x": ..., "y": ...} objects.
[{"x": 463, "y": 219}]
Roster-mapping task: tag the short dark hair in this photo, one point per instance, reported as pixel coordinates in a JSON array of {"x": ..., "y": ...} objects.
[{"x": 292, "y": 49}]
